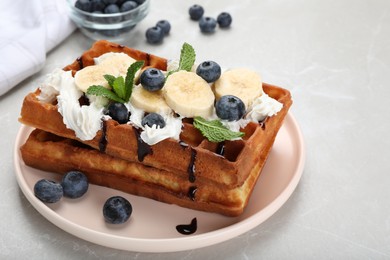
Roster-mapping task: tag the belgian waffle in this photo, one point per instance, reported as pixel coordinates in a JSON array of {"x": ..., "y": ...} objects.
[
  {"x": 192, "y": 162},
  {"x": 52, "y": 153}
]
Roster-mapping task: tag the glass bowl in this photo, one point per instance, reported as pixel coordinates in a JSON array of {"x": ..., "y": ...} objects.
[{"x": 113, "y": 27}]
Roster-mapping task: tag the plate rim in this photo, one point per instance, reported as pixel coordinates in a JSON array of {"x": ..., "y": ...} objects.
[{"x": 165, "y": 244}]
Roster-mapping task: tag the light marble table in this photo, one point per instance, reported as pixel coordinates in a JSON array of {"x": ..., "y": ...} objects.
[{"x": 334, "y": 57}]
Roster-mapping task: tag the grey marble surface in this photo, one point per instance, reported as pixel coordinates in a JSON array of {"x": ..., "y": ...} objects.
[{"x": 334, "y": 57}]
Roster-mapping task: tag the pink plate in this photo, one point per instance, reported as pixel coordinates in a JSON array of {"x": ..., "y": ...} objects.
[{"x": 152, "y": 226}]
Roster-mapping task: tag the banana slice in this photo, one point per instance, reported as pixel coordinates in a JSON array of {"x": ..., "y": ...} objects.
[
  {"x": 118, "y": 60},
  {"x": 149, "y": 101},
  {"x": 92, "y": 75},
  {"x": 242, "y": 83},
  {"x": 188, "y": 94}
]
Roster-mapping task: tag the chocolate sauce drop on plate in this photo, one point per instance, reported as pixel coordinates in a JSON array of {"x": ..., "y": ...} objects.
[
  {"x": 143, "y": 148},
  {"x": 191, "y": 166},
  {"x": 188, "y": 229},
  {"x": 103, "y": 139}
]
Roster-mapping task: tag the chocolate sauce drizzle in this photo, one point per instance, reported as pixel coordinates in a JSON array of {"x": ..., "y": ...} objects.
[
  {"x": 147, "y": 61},
  {"x": 103, "y": 139},
  {"x": 83, "y": 100},
  {"x": 220, "y": 148},
  {"x": 183, "y": 144},
  {"x": 262, "y": 123},
  {"x": 80, "y": 61},
  {"x": 191, "y": 166},
  {"x": 191, "y": 192},
  {"x": 188, "y": 229},
  {"x": 143, "y": 148}
]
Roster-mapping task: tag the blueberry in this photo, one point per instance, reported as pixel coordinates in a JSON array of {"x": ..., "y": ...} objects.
[
  {"x": 152, "y": 79},
  {"x": 210, "y": 71},
  {"x": 164, "y": 25},
  {"x": 118, "y": 112},
  {"x": 117, "y": 210},
  {"x": 230, "y": 108},
  {"x": 74, "y": 184},
  {"x": 154, "y": 35},
  {"x": 196, "y": 12},
  {"x": 110, "y": 2},
  {"x": 97, "y": 5},
  {"x": 120, "y": 2},
  {"x": 224, "y": 20},
  {"x": 48, "y": 191},
  {"x": 207, "y": 24},
  {"x": 84, "y": 5},
  {"x": 128, "y": 5},
  {"x": 153, "y": 119},
  {"x": 112, "y": 9}
]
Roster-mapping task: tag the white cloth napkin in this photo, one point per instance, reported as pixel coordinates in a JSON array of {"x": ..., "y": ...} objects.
[{"x": 28, "y": 30}]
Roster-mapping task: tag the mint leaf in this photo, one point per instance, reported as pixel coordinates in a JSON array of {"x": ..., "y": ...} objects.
[
  {"x": 119, "y": 87},
  {"x": 110, "y": 79},
  {"x": 129, "y": 81},
  {"x": 214, "y": 130},
  {"x": 187, "y": 57},
  {"x": 98, "y": 90}
]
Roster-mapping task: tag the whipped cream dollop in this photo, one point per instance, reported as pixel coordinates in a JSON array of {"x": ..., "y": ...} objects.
[
  {"x": 262, "y": 107},
  {"x": 50, "y": 87},
  {"x": 155, "y": 134},
  {"x": 85, "y": 121}
]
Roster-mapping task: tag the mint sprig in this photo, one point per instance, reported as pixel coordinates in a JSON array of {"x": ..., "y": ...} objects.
[
  {"x": 187, "y": 59},
  {"x": 214, "y": 130},
  {"x": 121, "y": 88}
]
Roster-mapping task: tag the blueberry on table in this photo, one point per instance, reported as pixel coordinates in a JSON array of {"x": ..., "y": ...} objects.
[
  {"x": 74, "y": 184},
  {"x": 48, "y": 191},
  {"x": 210, "y": 71},
  {"x": 153, "y": 119},
  {"x": 117, "y": 210},
  {"x": 196, "y": 12},
  {"x": 207, "y": 24},
  {"x": 230, "y": 108},
  {"x": 154, "y": 35},
  {"x": 128, "y": 5},
  {"x": 118, "y": 112},
  {"x": 164, "y": 25},
  {"x": 152, "y": 79},
  {"x": 224, "y": 20}
]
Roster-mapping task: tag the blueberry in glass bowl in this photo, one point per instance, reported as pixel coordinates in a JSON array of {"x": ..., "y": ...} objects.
[{"x": 107, "y": 19}]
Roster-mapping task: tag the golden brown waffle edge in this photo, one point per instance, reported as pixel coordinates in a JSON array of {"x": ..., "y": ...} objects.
[{"x": 49, "y": 152}]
